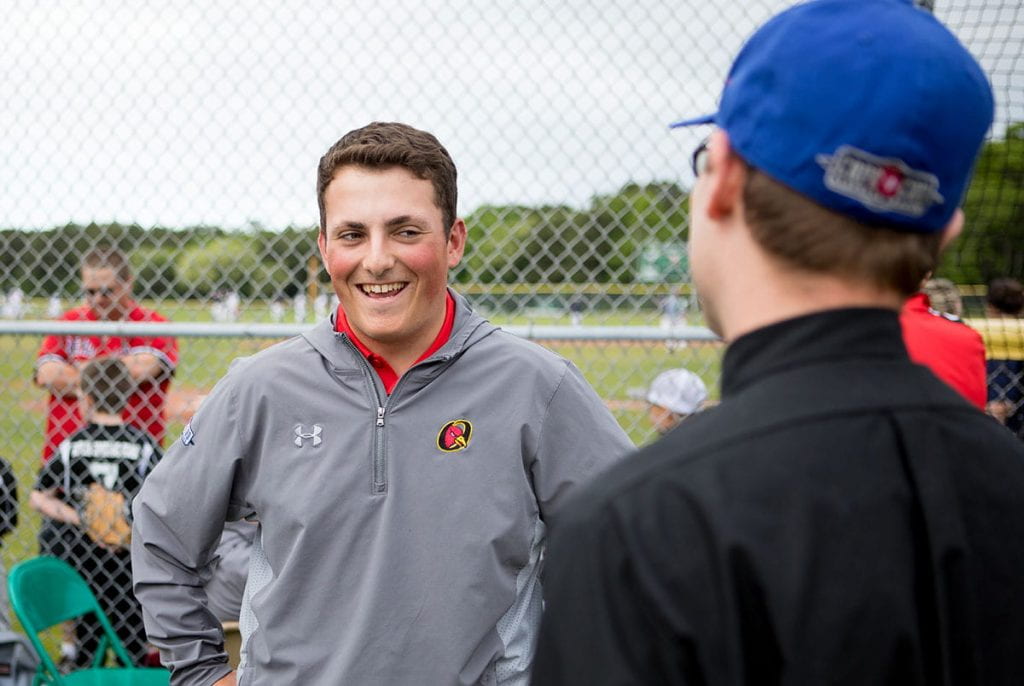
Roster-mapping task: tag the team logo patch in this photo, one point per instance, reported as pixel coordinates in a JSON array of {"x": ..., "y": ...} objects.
[
  {"x": 455, "y": 436},
  {"x": 301, "y": 435},
  {"x": 882, "y": 184},
  {"x": 188, "y": 436}
]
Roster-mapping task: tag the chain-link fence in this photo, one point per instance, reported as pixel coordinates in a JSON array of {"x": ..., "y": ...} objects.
[{"x": 187, "y": 133}]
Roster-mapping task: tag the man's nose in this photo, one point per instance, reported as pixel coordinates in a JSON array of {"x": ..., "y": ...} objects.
[{"x": 379, "y": 257}]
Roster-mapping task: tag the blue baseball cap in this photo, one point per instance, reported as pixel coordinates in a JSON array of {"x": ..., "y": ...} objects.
[{"x": 871, "y": 108}]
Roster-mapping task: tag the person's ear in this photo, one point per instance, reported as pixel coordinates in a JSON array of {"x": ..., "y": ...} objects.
[
  {"x": 726, "y": 175},
  {"x": 952, "y": 229},
  {"x": 456, "y": 242}
]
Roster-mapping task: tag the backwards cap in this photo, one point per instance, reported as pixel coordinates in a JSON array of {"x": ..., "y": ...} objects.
[
  {"x": 871, "y": 108},
  {"x": 678, "y": 390}
]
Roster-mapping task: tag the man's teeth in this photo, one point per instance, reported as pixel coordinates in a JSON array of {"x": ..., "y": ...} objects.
[{"x": 381, "y": 288}]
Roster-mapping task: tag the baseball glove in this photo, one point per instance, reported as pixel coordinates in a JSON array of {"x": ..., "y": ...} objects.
[{"x": 103, "y": 517}]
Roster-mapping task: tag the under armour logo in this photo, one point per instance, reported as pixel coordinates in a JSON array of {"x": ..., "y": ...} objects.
[{"x": 300, "y": 435}]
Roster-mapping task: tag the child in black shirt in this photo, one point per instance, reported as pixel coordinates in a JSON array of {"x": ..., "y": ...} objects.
[{"x": 109, "y": 458}]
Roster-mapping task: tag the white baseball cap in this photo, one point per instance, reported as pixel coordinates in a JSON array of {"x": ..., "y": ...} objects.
[{"x": 678, "y": 390}]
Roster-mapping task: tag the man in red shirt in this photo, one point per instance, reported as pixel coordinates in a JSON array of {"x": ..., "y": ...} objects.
[
  {"x": 946, "y": 345},
  {"x": 107, "y": 286}
]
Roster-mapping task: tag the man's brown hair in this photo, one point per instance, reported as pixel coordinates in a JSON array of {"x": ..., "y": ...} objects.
[
  {"x": 108, "y": 257},
  {"x": 1006, "y": 295},
  {"x": 107, "y": 383},
  {"x": 805, "y": 235},
  {"x": 390, "y": 144}
]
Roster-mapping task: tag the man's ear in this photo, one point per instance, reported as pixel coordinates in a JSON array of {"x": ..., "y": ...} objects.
[
  {"x": 726, "y": 175},
  {"x": 456, "y": 242},
  {"x": 952, "y": 228},
  {"x": 321, "y": 244}
]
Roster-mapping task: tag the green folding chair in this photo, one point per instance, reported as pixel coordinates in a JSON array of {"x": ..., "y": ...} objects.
[{"x": 44, "y": 592}]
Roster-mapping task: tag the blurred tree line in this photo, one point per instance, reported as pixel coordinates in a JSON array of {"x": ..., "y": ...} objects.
[
  {"x": 507, "y": 244},
  {"x": 168, "y": 263},
  {"x": 600, "y": 243},
  {"x": 992, "y": 243}
]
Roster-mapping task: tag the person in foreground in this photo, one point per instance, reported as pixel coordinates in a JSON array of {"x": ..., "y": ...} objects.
[
  {"x": 401, "y": 458},
  {"x": 843, "y": 516}
]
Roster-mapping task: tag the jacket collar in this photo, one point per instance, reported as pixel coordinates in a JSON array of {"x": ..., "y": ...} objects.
[
  {"x": 809, "y": 340},
  {"x": 335, "y": 347}
]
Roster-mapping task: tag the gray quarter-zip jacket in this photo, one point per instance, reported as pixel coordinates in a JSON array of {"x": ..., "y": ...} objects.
[{"x": 400, "y": 537}]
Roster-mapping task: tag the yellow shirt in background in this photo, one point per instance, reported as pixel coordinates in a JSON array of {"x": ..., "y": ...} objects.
[{"x": 1003, "y": 336}]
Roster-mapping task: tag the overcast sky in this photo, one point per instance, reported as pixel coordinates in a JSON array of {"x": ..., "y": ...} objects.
[{"x": 175, "y": 112}]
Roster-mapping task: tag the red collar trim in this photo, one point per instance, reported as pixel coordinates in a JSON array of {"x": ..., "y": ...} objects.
[{"x": 384, "y": 370}]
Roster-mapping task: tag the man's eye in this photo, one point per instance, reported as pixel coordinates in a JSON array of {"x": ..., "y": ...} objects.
[{"x": 349, "y": 236}]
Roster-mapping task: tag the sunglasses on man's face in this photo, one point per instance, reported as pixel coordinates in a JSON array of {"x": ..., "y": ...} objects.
[
  {"x": 105, "y": 291},
  {"x": 699, "y": 159}
]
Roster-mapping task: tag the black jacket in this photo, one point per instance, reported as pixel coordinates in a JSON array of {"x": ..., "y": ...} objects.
[
  {"x": 8, "y": 499},
  {"x": 842, "y": 517}
]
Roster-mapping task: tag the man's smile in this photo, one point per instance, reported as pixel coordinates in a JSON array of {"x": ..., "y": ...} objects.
[{"x": 382, "y": 290}]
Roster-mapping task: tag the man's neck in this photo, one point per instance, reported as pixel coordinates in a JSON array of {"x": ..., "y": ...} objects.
[
  {"x": 769, "y": 293},
  {"x": 403, "y": 355},
  {"x": 105, "y": 419}
]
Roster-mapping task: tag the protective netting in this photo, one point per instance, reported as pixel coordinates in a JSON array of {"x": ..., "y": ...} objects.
[{"x": 187, "y": 134}]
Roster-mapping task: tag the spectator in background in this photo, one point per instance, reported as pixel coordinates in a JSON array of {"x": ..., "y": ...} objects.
[
  {"x": 944, "y": 343},
  {"x": 299, "y": 307},
  {"x": 944, "y": 296},
  {"x": 14, "y": 305},
  {"x": 107, "y": 285},
  {"x": 674, "y": 395},
  {"x": 53, "y": 307},
  {"x": 106, "y": 461},
  {"x": 671, "y": 307},
  {"x": 232, "y": 306},
  {"x": 277, "y": 309},
  {"x": 576, "y": 309},
  {"x": 1003, "y": 331},
  {"x": 320, "y": 306}
]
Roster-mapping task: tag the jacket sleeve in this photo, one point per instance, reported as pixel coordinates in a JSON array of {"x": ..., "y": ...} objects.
[
  {"x": 178, "y": 518},
  {"x": 579, "y": 438}
]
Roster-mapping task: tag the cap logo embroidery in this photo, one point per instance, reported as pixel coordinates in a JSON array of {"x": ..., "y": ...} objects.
[
  {"x": 881, "y": 184},
  {"x": 314, "y": 435},
  {"x": 455, "y": 436}
]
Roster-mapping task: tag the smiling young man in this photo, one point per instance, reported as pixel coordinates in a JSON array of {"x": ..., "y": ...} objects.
[
  {"x": 842, "y": 516},
  {"x": 401, "y": 459}
]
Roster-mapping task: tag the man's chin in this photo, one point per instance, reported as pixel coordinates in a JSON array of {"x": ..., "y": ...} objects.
[
  {"x": 381, "y": 332},
  {"x": 711, "y": 319}
]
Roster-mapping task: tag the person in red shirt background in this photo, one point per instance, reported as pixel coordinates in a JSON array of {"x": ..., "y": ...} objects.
[
  {"x": 107, "y": 285},
  {"x": 945, "y": 344}
]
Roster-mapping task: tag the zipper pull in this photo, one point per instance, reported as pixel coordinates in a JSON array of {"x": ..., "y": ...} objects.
[{"x": 380, "y": 416}]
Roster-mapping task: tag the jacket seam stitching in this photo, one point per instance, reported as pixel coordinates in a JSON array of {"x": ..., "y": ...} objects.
[{"x": 547, "y": 409}]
